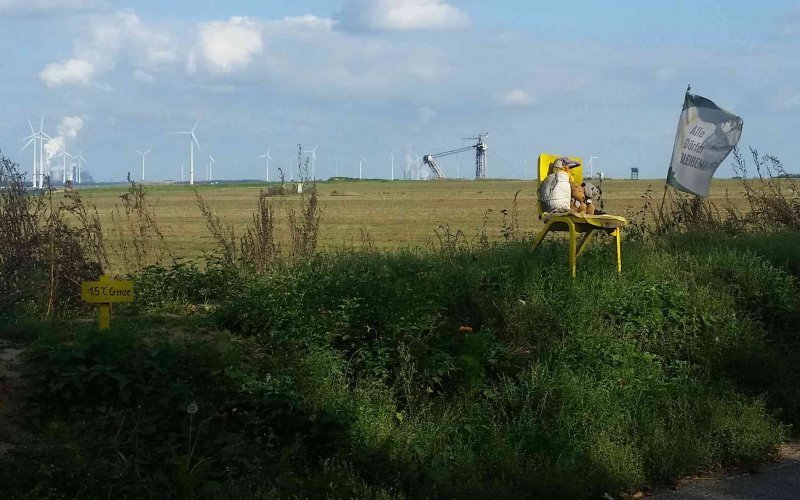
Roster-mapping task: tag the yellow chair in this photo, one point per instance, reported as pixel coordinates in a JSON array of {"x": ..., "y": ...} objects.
[{"x": 575, "y": 223}]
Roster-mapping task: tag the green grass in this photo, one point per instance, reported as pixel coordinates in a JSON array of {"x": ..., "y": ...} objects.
[{"x": 451, "y": 373}]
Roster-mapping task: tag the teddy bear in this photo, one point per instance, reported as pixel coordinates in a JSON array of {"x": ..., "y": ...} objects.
[
  {"x": 592, "y": 197},
  {"x": 577, "y": 202}
]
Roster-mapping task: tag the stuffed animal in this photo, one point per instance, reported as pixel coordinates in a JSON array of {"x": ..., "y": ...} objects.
[
  {"x": 554, "y": 193},
  {"x": 592, "y": 194},
  {"x": 577, "y": 202}
]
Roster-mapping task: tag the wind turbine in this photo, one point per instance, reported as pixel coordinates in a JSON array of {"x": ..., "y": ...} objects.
[
  {"x": 313, "y": 155},
  {"x": 40, "y": 136},
  {"x": 192, "y": 142},
  {"x": 268, "y": 157},
  {"x": 80, "y": 159},
  {"x": 391, "y": 155},
  {"x": 591, "y": 165},
  {"x": 361, "y": 159},
  {"x": 63, "y": 156},
  {"x": 143, "y": 155},
  {"x": 31, "y": 140},
  {"x": 418, "y": 164},
  {"x": 211, "y": 163}
]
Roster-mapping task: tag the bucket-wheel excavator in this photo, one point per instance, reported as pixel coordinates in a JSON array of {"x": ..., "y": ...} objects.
[{"x": 480, "y": 158}]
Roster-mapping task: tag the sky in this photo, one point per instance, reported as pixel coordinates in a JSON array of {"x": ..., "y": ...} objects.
[{"x": 364, "y": 78}]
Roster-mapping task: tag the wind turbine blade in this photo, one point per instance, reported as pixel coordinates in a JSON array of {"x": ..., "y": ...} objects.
[
  {"x": 46, "y": 136},
  {"x": 41, "y": 124},
  {"x": 196, "y": 142},
  {"x": 195, "y": 125},
  {"x": 31, "y": 126},
  {"x": 262, "y": 156},
  {"x": 148, "y": 151},
  {"x": 268, "y": 156},
  {"x": 268, "y": 150},
  {"x": 26, "y": 145}
]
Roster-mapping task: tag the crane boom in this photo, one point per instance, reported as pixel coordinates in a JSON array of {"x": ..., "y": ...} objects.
[{"x": 480, "y": 158}]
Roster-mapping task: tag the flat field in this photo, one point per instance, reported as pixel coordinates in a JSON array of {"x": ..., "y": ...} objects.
[{"x": 392, "y": 213}]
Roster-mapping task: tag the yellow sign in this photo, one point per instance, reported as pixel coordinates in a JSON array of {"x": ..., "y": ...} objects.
[{"x": 106, "y": 291}]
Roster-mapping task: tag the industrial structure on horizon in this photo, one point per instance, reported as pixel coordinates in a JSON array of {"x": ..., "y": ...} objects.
[{"x": 480, "y": 157}]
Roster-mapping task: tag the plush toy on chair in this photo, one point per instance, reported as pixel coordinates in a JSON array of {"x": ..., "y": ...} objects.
[
  {"x": 577, "y": 202},
  {"x": 555, "y": 190},
  {"x": 592, "y": 194}
]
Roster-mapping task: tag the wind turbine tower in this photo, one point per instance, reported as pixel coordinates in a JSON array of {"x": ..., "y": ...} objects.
[
  {"x": 268, "y": 158},
  {"x": 391, "y": 155},
  {"x": 145, "y": 154},
  {"x": 80, "y": 159},
  {"x": 360, "y": 160},
  {"x": 211, "y": 163},
  {"x": 192, "y": 142},
  {"x": 313, "y": 155}
]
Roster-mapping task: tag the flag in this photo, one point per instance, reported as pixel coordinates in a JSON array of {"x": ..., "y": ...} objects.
[{"x": 706, "y": 135}]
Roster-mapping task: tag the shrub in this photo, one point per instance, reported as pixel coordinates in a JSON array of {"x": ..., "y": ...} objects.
[{"x": 49, "y": 243}]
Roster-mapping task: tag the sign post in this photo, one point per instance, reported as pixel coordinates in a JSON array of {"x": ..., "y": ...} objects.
[{"x": 104, "y": 292}]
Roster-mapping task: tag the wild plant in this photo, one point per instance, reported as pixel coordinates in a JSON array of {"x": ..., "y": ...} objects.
[
  {"x": 304, "y": 225},
  {"x": 258, "y": 245},
  {"x": 222, "y": 232},
  {"x": 773, "y": 194},
  {"x": 49, "y": 242},
  {"x": 140, "y": 241}
]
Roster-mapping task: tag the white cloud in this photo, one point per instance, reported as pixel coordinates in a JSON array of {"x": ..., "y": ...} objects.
[
  {"x": 402, "y": 15},
  {"x": 518, "y": 97},
  {"x": 70, "y": 126},
  {"x": 96, "y": 52},
  {"x": 307, "y": 22},
  {"x": 227, "y": 46},
  {"x": 78, "y": 72},
  {"x": 45, "y": 6},
  {"x": 300, "y": 49}
]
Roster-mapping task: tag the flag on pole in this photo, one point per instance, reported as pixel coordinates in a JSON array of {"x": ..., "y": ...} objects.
[{"x": 706, "y": 135}]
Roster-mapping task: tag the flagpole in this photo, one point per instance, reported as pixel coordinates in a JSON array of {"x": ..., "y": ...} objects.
[{"x": 669, "y": 171}]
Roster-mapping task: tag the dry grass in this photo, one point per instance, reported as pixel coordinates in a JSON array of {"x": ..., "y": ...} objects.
[{"x": 394, "y": 214}]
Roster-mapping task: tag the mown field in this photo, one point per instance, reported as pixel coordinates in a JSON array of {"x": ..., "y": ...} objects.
[{"x": 393, "y": 213}]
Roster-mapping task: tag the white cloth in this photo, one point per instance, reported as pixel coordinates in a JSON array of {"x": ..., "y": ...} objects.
[{"x": 555, "y": 192}]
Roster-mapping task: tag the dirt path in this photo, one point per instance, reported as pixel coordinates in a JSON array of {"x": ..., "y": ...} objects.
[
  {"x": 776, "y": 481},
  {"x": 10, "y": 386}
]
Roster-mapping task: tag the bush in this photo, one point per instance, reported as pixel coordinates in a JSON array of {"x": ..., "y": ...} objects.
[
  {"x": 144, "y": 415},
  {"x": 461, "y": 373}
]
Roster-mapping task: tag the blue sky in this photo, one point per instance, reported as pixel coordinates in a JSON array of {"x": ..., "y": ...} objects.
[{"x": 367, "y": 77}]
